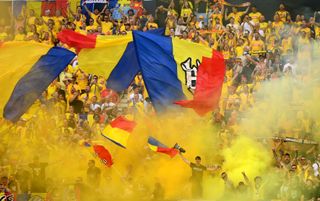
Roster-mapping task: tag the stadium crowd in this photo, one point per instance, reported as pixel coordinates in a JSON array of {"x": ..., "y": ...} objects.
[{"x": 78, "y": 104}]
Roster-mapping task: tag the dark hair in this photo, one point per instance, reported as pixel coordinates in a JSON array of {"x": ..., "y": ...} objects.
[{"x": 198, "y": 158}]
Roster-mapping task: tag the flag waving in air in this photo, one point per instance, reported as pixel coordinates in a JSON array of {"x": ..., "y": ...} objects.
[
  {"x": 119, "y": 130},
  {"x": 210, "y": 78},
  {"x": 103, "y": 154},
  {"x": 157, "y": 146}
]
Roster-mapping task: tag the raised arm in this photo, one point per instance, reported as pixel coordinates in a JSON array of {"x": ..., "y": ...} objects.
[
  {"x": 86, "y": 8},
  {"x": 184, "y": 159},
  {"x": 245, "y": 178},
  {"x": 104, "y": 8}
]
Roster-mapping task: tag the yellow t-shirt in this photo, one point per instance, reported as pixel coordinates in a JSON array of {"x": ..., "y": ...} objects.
[
  {"x": 93, "y": 27},
  {"x": 46, "y": 18},
  {"x": 106, "y": 26},
  {"x": 255, "y": 16},
  {"x": 263, "y": 25},
  {"x": 31, "y": 20},
  {"x": 257, "y": 45},
  {"x": 226, "y": 54},
  {"x": 152, "y": 25},
  {"x": 307, "y": 30},
  {"x": 94, "y": 17},
  {"x": 237, "y": 16},
  {"x": 3, "y": 36},
  {"x": 239, "y": 51},
  {"x": 186, "y": 12},
  {"x": 286, "y": 45},
  {"x": 214, "y": 16},
  {"x": 277, "y": 26},
  {"x": 282, "y": 15},
  {"x": 19, "y": 37}
]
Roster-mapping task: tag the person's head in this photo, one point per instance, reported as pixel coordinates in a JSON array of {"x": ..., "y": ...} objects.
[
  {"x": 31, "y": 12},
  {"x": 79, "y": 9},
  {"x": 287, "y": 158},
  {"x": 91, "y": 21},
  {"x": 231, "y": 20},
  {"x": 4, "y": 181},
  {"x": 318, "y": 157},
  {"x": 276, "y": 18},
  {"x": 234, "y": 10},
  {"x": 254, "y": 9},
  {"x": 258, "y": 181},
  {"x": 185, "y": 35},
  {"x": 96, "y": 11},
  {"x": 198, "y": 160},
  {"x": 91, "y": 163},
  {"x": 130, "y": 12},
  {"x": 262, "y": 18},
  {"x": 281, "y": 7}
]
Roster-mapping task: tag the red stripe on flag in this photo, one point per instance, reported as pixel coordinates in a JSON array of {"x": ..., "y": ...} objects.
[
  {"x": 123, "y": 123},
  {"x": 77, "y": 40},
  {"x": 170, "y": 151},
  {"x": 210, "y": 78}
]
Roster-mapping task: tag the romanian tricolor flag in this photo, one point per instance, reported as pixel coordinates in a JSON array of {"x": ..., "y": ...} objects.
[
  {"x": 157, "y": 146},
  {"x": 168, "y": 65},
  {"x": 119, "y": 130},
  {"x": 27, "y": 69}
]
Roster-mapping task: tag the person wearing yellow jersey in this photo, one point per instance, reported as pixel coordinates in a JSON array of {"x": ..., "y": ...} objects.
[
  {"x": 305, "y": 28},
  {"x": 217, "y": 15},
  {"x": 277, "y": 24},
  {"x": 3, "y": 34},
  {"x": 78, "y": 14},
  {"x": 286, "y": 44},
  {"x": 91, "y": 27},
  {"x": 186, "y": 10},
  {"x": 151, "y": 24},
  {"x": 236, "y": 15},
  {"x": 226, "y": 52},
  {"x": 255, "y": 15},
  {"x": 256, "y": 44},
  {"x": 263, "y": 23},
  {"x": 58, "y": 20},
  {"x": 95, "y": 14},
  {"x": 239, "y": 49},
  {"x": 20, "y": 36},
  {"x": 105, "y": 24},
  {"x": 282, "y": 13},
  {"x": 46, "y": 17},
  {"x": 31, "y": 18}
]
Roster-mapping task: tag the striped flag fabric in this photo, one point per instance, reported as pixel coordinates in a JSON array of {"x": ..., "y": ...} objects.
[{"x": 119, "y": 130}]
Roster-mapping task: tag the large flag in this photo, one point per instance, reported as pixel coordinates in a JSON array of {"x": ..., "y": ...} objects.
[
  {"x": 115, "y": 56},
  {"x": 157, "y": 146},
  {"x": 119, "y": 130},
  {"x": 210, "y": 79},
  {"x": 168, "y": 66},
  {"x": 37, "y": 74},
  {"x": 13, "y": 69}
]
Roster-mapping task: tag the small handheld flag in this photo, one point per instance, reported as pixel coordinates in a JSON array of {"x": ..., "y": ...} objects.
[
  {"x": 157, "y": 146},
  {"x": 103, "y": 154},
  {"x": 119, "y": 131}
]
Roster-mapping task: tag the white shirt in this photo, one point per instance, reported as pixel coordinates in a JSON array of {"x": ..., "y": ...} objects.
[
  {"x": 316, "y": 167},
  {"x": 289, "y": 65}
]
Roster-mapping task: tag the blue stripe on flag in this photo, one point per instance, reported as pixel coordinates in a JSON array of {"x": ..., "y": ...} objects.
[{"x": 37, "y": 80}]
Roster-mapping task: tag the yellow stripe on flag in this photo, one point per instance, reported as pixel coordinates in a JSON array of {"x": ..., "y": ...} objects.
[
  {"x": 104, "y": 57},
  {"x": 182, "y": 50},
  {"x": 152, "y": 147},
  {"x": 117, "y": 135},
  {"x": 16, "y": 59}
]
